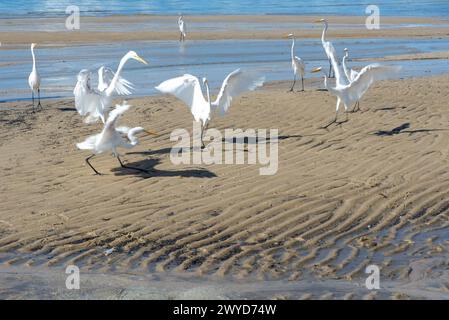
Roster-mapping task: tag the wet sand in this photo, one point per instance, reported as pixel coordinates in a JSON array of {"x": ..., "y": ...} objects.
[
  {"x": 373, "y": 190},
  {"x": 52, "y": 31}
]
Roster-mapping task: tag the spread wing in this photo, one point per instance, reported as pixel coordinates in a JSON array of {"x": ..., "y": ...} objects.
[
  {"x": 88, "y": 144},
  {"x": 115, "y": 114},
  {"x": 186, "y": 88},
  {"x": 105, "y": 75},
  {"x": 82, "y": 92},
  {"x": 236, "y": 83},
  {"x": 340, "y": 75},
  {"x": 368, "y": 75}
]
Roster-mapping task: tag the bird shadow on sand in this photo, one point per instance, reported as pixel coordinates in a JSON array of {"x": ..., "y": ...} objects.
[
  {"x": 255, "y": 140},
  {"x": 152, "y": 152},
  {"x": 403, "y": 129},
  {"x": 388, "y": 108},
  {"x": 149, "y": 164},
  {"x": 65, "y": 109}
]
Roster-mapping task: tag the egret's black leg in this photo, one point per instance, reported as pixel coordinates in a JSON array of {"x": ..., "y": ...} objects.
[
  {"x": 32, "y": 98},
  {"x": 330, "y": 69},
  {"x": 203, "y": 130},
  {"x": 87, "y": 161},
  {"x": 302, "y": 81},
  {"x": 128, "y": 167},
  {"x": 293, "y": 85},
  {"x": 39, "y": 98},
  {"x": 330, "y": 123}
]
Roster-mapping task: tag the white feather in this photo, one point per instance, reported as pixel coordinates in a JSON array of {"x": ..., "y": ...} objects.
[{"x": 236, "y": 83}]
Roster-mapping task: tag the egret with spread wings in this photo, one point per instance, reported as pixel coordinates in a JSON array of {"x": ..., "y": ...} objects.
[
  {"x": 113, "y": 137},
  {"x": 188, "y": 89},
  {"x": 95, "y": 103},
  {"x": 354, "y": 91}
]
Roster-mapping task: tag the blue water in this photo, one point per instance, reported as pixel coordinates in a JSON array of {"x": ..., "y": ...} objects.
[
  {"x": 214, "y": 59},
  {"x": 20, "y": 8}
]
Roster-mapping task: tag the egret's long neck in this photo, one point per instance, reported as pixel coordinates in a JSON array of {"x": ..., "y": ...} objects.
[
  {"x": 114, "y": 80},
  {"x": 323, "y": 35},
  {"x": 34, "y": 59},
  {"x": 293, "y": 48},
  {"x": 345, "y": 68}
]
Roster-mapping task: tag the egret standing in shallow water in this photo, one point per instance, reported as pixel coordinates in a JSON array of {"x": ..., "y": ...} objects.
[
  {"x": 182, "y": 28},
  {"x": 188, "y": 89},
  {"x": 34, "y": 80},
  {"x": 297, "y": 64},
  {"x": 112, "y": 137},
  {"x": 327, "y": 46},
  {"x": 96, "y": 103}
]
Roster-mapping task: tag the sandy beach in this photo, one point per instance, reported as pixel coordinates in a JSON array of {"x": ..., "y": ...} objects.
[
  {"x": 371, "y": 190},
  {"x": 52, "y": 31}
]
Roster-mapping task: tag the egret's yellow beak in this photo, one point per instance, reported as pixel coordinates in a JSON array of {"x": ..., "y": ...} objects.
[
  {"x": 316, "y": 70},
  {"x": 317, "y": 21},
  {"x": 140, "y": 60},
  {"x": 150, "y": 133}
]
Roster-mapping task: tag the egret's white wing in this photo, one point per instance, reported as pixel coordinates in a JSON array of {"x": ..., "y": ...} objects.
[
  {"x": 188, "y": 89},
  {"x": 82, "y": 91},
  {"x": 115, "y": 114},
  {"x": 340, "y": 75},
  {"x": 300, "y": 64},
  {"x": 236, "y": 83},
  {"x": 88, "y": 144},
  {"x": 368, "y": 75},
  {"x": 105, "y": 76}
]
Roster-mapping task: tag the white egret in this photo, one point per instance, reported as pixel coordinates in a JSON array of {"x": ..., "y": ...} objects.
[
  {"x": 34, "y": 80},
  {"x": 350, "y": 74},
  {"x": 297, "y": 64},
  {"x": 350, "y": 93},
  {"x": 188, "y": 89},
  {"x": 96, "y": 103},
  {"x": 182, "y": 28},
  {"x": 112, "y": 137},
  {"x": 327, "y": 46}
]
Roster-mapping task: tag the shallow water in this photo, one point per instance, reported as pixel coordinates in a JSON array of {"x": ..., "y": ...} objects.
[
  {"x": 336, "y": 7},
  {"x": 58, "y": 67}
]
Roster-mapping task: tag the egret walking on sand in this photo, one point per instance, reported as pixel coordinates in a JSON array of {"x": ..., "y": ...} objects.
[
  {"x": 113, "y": 137},
  {"x": 327, "y": 46},
  {"x": 354, "y": 91},
  {"x": 182, "y": 28},
  {"x": 297, "y": 65},
  {"x": 95, "y": 104},
  {"x": 188, "y": 89},
  {"x": 34, "y": 80},
  {"x": 350, "y": 74}
]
